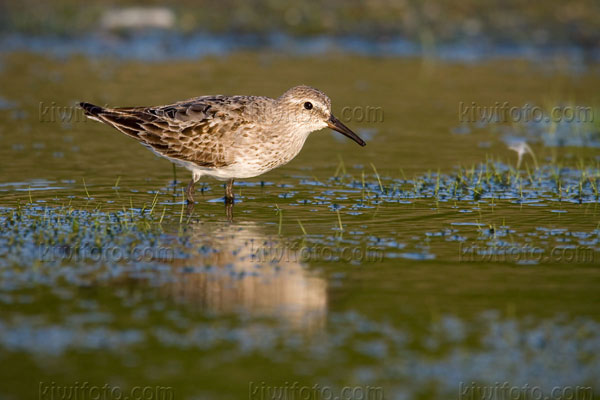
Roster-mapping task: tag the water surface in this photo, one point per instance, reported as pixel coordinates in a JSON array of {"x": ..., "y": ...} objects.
[{"x": 416, "y": 264}]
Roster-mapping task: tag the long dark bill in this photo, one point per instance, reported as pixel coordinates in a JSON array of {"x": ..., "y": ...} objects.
[{"x": 337, "y": 125}]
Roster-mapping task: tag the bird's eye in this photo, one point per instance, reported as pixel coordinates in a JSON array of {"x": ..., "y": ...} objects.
[{"x": 308, "y": 105}]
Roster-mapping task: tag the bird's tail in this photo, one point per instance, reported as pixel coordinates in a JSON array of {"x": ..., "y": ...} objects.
[
  {"x": 91, "y": 111},
  {"x": 127, "y": 120}
]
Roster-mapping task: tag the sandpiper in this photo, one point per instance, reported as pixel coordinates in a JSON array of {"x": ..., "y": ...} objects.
[{"x": 227, "y": 137}]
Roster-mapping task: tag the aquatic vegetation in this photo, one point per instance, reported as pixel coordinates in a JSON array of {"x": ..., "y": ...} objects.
[
  {"x": 35, "y": 232},
  {"x": 489, "y": 180},
  {"x": 522, "y": 148}
]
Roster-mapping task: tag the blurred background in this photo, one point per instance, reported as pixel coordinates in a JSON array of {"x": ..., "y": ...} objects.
[
  {"x": 458, "y": 251},
  {"x": 374, "y": 27}
]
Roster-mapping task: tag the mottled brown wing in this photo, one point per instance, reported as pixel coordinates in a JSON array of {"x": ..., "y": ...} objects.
[{"x": 187, "y": 131}]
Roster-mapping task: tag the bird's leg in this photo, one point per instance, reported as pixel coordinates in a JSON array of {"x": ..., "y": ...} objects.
[
  {"x": 229, "y": 211},
  {"x": 229, "y": 197},
  {"x": 189, "y": 191},
  {"x": 189, "y": 209}
]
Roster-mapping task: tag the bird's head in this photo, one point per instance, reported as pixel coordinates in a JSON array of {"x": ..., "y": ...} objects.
[{"x": 310, "y": 109}]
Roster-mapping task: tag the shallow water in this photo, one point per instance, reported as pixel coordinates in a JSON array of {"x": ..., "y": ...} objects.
[{"x": 419, "y": 264}]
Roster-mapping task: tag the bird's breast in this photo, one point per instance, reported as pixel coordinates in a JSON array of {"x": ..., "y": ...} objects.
[{"x": 264, "y": 151}]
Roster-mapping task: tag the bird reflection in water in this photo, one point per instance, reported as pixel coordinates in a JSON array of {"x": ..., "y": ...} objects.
[{"x": 234, "y": 267}]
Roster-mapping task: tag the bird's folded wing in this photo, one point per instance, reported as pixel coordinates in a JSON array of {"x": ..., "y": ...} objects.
[{"x": 188, "y": 131}]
